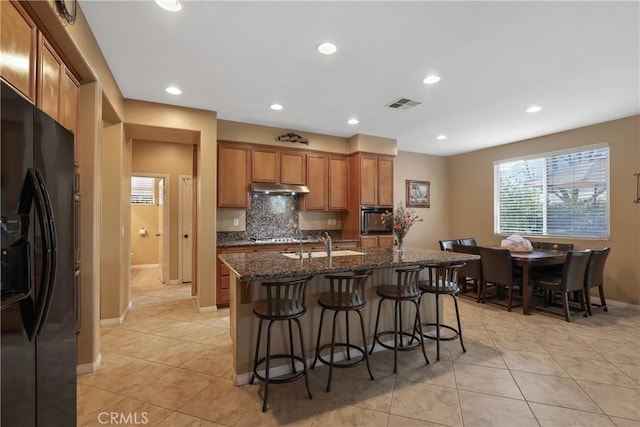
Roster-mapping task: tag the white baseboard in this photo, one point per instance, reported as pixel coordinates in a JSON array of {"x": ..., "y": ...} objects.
[
  {"x": 137, "y": 266},
  {"x": 117, "y": 320},
  {"x": 207, "y": 309},
  {"x": 88, "y": 368}
]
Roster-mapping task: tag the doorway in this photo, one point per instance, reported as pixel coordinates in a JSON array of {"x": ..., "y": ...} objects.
[{"x": 150, "y": 219}]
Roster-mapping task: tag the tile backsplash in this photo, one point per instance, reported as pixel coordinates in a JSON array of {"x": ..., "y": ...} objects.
[{"x": 271, "y": 216}]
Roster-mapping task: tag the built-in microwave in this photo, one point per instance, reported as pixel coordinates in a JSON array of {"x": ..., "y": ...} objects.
[{"x": 371, "y": 221}]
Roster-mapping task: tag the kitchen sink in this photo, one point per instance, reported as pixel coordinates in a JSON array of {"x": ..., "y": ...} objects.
[{"x": 322, "y": 254}]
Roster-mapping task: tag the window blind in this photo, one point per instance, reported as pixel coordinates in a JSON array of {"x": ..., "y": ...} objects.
[
  {"x": 142, "y": 190},
  {"x": 557, "y": 194}
]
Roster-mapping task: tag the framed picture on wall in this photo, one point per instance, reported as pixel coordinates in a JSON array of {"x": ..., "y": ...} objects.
[{"x": 418, "y": 194}]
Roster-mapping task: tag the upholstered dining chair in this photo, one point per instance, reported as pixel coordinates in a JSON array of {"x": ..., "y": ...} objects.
[
  {"x": 497, "y": 270},
  {"x": 471, "y": 272},
  {"x": 470, "y": 241},
  {"x": 595, "y": 277},
  {"x": 572, "y": 279},
  {"x": 445, "y": 245}
]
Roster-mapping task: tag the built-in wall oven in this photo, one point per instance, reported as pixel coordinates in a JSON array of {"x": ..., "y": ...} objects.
[{"x": 371, "y": 221}]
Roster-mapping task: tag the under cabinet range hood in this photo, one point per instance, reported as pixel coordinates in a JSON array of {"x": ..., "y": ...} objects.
[{"x": 269, "y": 188}]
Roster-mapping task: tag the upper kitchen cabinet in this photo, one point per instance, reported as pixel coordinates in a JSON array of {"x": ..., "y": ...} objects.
[
  {"x": 328, "y": 182},
  {"x": 233, "y": 175},
  {"x": 376, "y": 180},
  {"x": 318, "y": 183},
  {"x": 69, "y": 101},
  {"x": 265, "y": 166},
  {"x": 338, "y": 183},
  {"x": 50, "y": 72},
  {"x": 277, "y": 166},
  {"x": 293, "y": 167},
  {"x": 18, "y": 47}
]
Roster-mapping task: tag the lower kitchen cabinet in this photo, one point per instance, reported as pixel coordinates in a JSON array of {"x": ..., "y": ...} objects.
[{"x": 377, "y": 241}]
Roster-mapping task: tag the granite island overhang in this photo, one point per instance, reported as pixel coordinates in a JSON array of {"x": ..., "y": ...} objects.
[{"x": 249, "y": 269}]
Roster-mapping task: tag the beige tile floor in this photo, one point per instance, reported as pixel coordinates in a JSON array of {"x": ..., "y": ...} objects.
[{"x": 168, "y": 365}]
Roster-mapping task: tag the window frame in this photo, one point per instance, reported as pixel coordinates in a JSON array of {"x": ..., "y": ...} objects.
[{"x": 547, "y": 155}]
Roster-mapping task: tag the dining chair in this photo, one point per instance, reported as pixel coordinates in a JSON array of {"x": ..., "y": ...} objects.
[
  {"x": 470, "y": 241},
  {"x": 497, "y": 270},
  {"x": 471, "y": 272},
  {"x": 595, "y": 277},
  {"x": 445, "y": 245},
  {"x": 572, "y": 279}
]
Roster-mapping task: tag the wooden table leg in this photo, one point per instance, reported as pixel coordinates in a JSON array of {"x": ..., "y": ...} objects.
[{"x": 527, "y": 291}]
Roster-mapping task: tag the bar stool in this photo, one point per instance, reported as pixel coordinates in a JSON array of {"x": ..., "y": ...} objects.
[
  {"x": 443, "y": 280},
  {"x": 285, "y": 301},
  {"x": 346, "y": 294},
  {"x": 405, "y": 290}
]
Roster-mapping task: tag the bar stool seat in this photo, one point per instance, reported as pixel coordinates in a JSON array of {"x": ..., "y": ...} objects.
[
  {"x": 284, "y": 302},
  {"x": 405, "y": 290},
  {"x": 346, "y": 294},
  {"x": 443, "y": 280}
]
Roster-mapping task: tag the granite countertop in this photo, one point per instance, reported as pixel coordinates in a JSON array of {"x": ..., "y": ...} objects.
[
  {"x": 235, "y": 243},
  {"x": 271, "y": 265}
]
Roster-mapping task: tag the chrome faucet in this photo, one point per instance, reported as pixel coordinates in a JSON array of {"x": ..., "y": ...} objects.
[{"x": 327, "y": 243}]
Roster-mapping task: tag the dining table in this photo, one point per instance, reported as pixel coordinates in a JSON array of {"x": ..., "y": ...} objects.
[{"x": 528, "y": 261}]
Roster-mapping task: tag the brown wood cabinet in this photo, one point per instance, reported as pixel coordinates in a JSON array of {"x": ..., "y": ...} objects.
[
  {"x": 338, "y": 183},
  {"x": 317, "y": 181},
  {"x": 293, "y": 168},
  {"x": 377, "y": 241},
  {"x": 50, "y": 72},
  {"x": 265, "y": 165},
  {"x": 233, "y": 175},
  {"x": 376, "y": 180},
  {"x": 18, "y": 47}
]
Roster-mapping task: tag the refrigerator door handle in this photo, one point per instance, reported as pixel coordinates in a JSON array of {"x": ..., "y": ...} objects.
[
  {"x": 42, "y": 293},
  {"x": 53, "y": 252}
]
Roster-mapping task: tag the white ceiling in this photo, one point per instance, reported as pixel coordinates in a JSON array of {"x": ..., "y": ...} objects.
[{"x": 578, "y": 60}]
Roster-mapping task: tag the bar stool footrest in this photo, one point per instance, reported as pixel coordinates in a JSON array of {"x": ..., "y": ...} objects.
[
  {"x": 292, "y": 376},
  {"x": 340, "y": 364},
  {"x": 401, "y": 346},
  {"x": 432, "y": 335}
]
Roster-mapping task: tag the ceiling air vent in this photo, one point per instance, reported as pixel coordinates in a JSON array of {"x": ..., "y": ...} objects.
[{"x": 402, "y": 104}]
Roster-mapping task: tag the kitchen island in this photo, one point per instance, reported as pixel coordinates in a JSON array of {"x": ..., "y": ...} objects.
[{"x": 250, "y": 268}]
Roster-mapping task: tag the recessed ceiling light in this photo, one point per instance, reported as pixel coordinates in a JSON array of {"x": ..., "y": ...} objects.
[
  {"x": 276, "y": 107},
  {"x": 327, "y": 48},
  {"x": 441, "y": 137},
  {"x": 170, "y": 5},
  {"x": 534, "y": 109},
  {"x": 353, "y": 121},
  {"x": 429, "y": 80},
  {"x": 173, "y": 90}
]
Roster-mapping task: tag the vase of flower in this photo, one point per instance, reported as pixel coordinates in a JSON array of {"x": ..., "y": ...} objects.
[
  {"x": 400, "y": 241},
  {"x": 400, "y": 222}
]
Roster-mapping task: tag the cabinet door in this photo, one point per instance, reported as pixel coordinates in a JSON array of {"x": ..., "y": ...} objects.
[
  {"x": 18, "y": 45},
  {"x": 265, "y": 166},
  {"x": 233, "y": 176},
  {"x": 69, "y": 101},
  {"x": 385, "y": 241},
  {"x": 292, "y": 168},
  {"x": 338, "y": 183},
  {"x": 368, "y": 241},
  {"x": 50, "y": 69},
  {"x": 368, "y": 181},
  {"x": 385, "y": 182},
  {"x": 317, "y": 182}
]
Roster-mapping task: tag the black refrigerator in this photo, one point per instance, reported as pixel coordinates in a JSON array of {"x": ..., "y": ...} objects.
[{"x": 38, "y": 342}]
